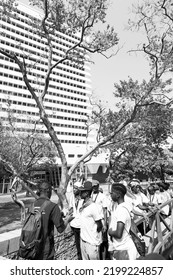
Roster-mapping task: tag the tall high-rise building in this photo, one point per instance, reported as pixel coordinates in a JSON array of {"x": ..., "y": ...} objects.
[{"x": 67, "y": 101}]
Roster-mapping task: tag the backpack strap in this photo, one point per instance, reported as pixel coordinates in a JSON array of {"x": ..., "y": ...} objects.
[
  {"x": 130, "y": 219},
  {"x": 133, "y": 227},
  {"x": 40, "y": 208}
]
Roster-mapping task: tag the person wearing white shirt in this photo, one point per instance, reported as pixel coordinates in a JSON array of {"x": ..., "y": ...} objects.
[
  {"x": 75, "y": 203},
  {"x": 123, "y": 245},
  {"x": 103, "y": 203},
  {"x": 91, "y": 225}
]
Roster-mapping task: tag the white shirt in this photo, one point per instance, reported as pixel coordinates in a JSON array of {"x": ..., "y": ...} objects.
[
  {"x": 101, "y": 200},
  {"x": 76, "y": 214},
  {"x": 122, "y": 214},
  {"x": 162, "y": 198},
  {"x": 88, "y": 217},
  {"x": 140, "y": 198}
]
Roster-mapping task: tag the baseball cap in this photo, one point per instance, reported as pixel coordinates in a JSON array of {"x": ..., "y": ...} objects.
[{"x": 87, "y": 186}]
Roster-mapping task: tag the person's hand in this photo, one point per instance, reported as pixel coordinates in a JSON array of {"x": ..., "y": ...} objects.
[
  {"x": 146, "y": 218},
  {"x": 110, "y": 233},
  {"x": 152, "y": 209},
  {"x": 104, "y": 228},
  {"x": 70, "y": 211},
  {"x": 69, "y": 217}
]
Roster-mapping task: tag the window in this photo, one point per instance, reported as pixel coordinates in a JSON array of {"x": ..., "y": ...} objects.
[{"x": 71, "y": 156}]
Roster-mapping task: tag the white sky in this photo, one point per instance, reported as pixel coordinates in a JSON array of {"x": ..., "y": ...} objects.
[{"x": 106, "y": 72}]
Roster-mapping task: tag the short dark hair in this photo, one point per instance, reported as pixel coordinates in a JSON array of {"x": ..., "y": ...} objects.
[
  {"x": 44, "y": 186},
  {"x": 118, "y": 187}
]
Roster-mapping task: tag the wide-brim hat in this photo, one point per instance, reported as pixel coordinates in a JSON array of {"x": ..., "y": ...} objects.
[{"x": 87, "y": 186}]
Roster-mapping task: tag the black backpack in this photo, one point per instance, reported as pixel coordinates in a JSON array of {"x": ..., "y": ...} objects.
[{"x": 31, "y": 238}]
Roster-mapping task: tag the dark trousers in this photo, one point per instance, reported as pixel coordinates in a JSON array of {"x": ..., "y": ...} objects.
[
  {"x": 76, "y": 232},
  {"x": 104, "y": 254}
]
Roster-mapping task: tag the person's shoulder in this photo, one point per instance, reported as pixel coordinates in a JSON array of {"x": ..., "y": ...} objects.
[
  {"x": 124, "y": 207},
  {"x": 50, "y": 204}
]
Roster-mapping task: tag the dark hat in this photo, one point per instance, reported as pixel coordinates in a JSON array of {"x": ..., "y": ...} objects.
[
  {"x": 156, "y": 187},
  {"x": 161, "y": 185},
  {"x": 95, "y": 183},
  {"x": 87, "y": 186},
  {"x": 164, "y": 185},
  {"x": 118, "y": 187},
  {"x": 167, "y": 186}
]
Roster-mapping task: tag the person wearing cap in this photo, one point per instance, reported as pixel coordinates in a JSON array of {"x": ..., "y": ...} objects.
[
  {"x": 75, "y": 203},
  {"x": 123, "y": 246},
  {"x": 51, "y": 216},
  {"x": 102, "y": 202},
  {"x": 91, "y": 224}
]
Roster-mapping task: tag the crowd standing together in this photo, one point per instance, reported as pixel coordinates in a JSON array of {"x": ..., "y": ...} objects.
[{"x": 101, "y": 222}]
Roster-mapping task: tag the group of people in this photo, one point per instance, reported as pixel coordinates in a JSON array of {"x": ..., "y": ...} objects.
[{"x": 100, "y": 222}]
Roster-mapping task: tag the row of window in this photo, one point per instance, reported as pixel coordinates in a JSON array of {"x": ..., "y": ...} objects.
[
  {"x": 72, "y": 156},
  {"x": 49, "y": 93},
  {"x": 33, "y": 18},
  {"x": 16, "y": 102},
  {"x": 34, "y": 60},
  {"x": 27, "y": 121},
  {"x": 42, "y": 69},
  {"x": 21, "y": 112},
  {"x": 39, "y": 68},
  {"x": 37, "y": 49},
  {"x": 41, "y": 76},
  {"x": 45, "y": 132},
  {"x": 56, "y": 87},
  {"x": 31, "y": 52},
  {"x": 29, "y": 27},
  {"x": 50, "y": 100}
]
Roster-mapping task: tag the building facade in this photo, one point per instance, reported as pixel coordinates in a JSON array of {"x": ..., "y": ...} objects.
[{"x": 67, "y": 101}]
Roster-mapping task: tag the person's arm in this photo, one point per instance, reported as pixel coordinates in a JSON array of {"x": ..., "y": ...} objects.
[
  {"x": 68, "y": 218},
  {"x": 59, "y": 220},
  {"x": 118, "y": 232},
  {"x": 105, "y": 219},
  {"x": 142, "y": 207},
  {"x": 141, "y": 214}
]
